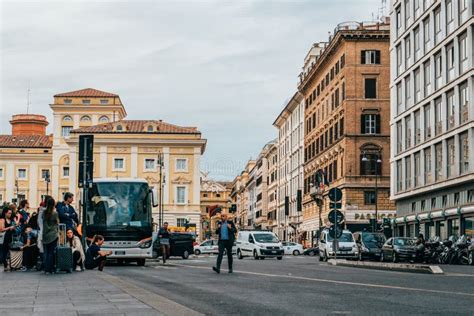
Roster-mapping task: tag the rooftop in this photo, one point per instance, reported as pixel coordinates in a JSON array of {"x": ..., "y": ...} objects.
[
  {"x": 137, "y": 127},
  {"x": 88, "y": 92},
  {"x": 25, "y": 141}
]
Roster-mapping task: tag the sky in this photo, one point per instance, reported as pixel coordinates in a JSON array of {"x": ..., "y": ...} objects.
[{"x": 226, "y": 67}]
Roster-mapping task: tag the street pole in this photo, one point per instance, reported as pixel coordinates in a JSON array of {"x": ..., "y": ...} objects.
[
  {"x": 84, "y": 196},
  {"x": 335, "y": 227},
  {"x": 376, "y": 194}
]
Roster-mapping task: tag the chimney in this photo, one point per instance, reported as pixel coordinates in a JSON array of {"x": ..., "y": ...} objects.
[{"x": 29, "y": 124}]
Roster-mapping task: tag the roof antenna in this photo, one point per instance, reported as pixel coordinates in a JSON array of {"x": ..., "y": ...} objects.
[{"x": 28, "y": 99}]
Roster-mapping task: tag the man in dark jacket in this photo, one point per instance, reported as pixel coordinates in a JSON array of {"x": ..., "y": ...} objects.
[
  {"x": 226, "y": 231},
  {"x": 67, "y": 213}
]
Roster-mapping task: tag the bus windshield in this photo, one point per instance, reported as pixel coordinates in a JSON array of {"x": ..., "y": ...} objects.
[{"x": 118, "y": 205}]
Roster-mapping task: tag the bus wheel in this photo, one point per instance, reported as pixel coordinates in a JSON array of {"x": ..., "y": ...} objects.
[{"x": 141, "y": 262}]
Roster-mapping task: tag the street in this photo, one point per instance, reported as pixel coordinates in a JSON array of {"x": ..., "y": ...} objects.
[{"x": 302, "y": 286}]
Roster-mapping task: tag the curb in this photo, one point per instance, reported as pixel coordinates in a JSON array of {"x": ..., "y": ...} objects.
[{"x": 399, "y": 267}]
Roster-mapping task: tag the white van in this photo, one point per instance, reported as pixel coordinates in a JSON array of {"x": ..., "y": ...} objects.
[
  {"x": 347, "y": 247},
  {"x": 259, "y": 244}
]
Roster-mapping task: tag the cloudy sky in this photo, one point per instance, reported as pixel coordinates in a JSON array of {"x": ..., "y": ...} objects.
[{"x": 227, "y": 67}]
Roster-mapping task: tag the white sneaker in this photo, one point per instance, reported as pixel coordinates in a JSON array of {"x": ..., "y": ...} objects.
[{"x": 78, "y": 269}]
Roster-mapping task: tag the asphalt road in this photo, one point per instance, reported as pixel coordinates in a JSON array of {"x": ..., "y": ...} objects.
[{"x": 303, "y": 286}]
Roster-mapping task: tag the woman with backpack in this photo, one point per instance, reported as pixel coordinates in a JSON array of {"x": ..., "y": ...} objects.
[{"x": 50, "y": 234}]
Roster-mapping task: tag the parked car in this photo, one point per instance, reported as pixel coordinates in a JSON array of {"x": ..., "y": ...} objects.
[
  {"x": 312, "y": 251},
  {"x": 292, "y": 248},
  {"x": 369, "y": 244},
  {"x": 347, "y": 248},
  {"x": 207, "y": 246},
  {"x": 399, "y": 248},
  {"x": 181, "y": 245},
  {"x": 259, "y": 244}
]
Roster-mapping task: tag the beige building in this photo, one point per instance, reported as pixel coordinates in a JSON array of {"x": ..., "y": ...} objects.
[
  {"x": 122, "y": 149},
  {"x": 240, "y": 196}
]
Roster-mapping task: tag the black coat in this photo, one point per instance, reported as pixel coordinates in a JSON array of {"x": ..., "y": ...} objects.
[{"x": 232, "y": 231}]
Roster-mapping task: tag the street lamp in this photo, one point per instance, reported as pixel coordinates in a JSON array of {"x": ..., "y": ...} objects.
[
  {"x": 317, "y": 195},
  {"x": 47, "y": 179},
  {"x": 378, "y": 161}
]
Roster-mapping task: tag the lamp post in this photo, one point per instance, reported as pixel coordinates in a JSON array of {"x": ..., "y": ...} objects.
[
  {"x": 317, "y": 196},
  {"x": 47, "y": 179},
  {"x": 160, "y": 162},
  {"x": 378, "y": 161}
]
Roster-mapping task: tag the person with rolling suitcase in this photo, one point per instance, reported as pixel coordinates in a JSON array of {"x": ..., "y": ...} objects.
[
  {"x": 64, "y": 257},
  {"x": 50, "y": 234}
]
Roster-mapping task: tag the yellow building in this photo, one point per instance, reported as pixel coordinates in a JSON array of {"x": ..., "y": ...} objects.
[{"x": 122, "y": 149}]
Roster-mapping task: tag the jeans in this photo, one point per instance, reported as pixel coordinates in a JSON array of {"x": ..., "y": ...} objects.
[
  {"x": 224, "y": 245},
  {"x": 165, "y": 252},
  {"x": 77, "y": 259},
  {"x": 49, "y": 252},
  {"x": 4, "y": 255}
]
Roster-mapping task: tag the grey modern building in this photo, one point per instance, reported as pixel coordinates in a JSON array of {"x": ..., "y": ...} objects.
[{"x": 432, "y": 117}]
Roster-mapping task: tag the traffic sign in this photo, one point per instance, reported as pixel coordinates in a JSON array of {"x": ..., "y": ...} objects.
[
  {"x": 335, "y": 231},
  {"x": 335, "y": 205},
  {"x": 335, "y": 194},
  {"x": 336, "y": 216}
]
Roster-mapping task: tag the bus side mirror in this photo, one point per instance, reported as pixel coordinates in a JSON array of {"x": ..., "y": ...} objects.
[{"x": 154, "y": 197}]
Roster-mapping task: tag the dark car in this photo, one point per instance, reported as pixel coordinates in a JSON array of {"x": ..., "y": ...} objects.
[
  {"x": 370, "y": 244},
  {"x": 399, "y": 249},
  {"x": 313, "y": 251},
  {"x": 181, "y": 245}
]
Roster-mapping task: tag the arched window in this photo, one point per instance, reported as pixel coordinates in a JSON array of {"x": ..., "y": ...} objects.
[
  {"x": 67, "y": 118},
  {"x": 149, "y": 128},
  {"x": 85, "y": 118},
  {"x": 104, "y": 119},
  {"x": 119, "y": 128}
]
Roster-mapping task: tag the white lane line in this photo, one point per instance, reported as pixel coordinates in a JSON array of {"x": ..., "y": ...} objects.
[{"x": 394, "y": 287}]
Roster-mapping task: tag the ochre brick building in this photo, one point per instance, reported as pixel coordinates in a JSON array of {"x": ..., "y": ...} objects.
[{"x": 346, "y": 86}]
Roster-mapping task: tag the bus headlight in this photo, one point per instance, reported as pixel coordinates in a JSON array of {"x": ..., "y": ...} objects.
[{"x": 145, "y": 244}]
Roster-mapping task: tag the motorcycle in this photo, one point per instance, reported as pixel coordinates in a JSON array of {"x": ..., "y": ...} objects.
[
  {"x": 470, "y": 257},
  {"x": 460, "y": 253},
  {"x": 433, "y": 250}
]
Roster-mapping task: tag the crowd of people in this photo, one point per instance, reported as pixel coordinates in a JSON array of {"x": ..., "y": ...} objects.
[{"x": 29, "y": 240}]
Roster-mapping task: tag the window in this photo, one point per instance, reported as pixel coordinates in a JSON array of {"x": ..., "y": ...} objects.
[
  {"x": 149, "y": 128},
  {"x": 438, "y": 117},
  {"x": 369, "y": 164},
  {"x": 370, "y": 57},
  {"x": 428, "y": 128},
  {"x": 408, "y": 172},
  {"x": 181, "y": 222},
  {"x": 103, "y": 119},
  {"x": 85, "y": 101},
  {"x": 369, "y": 197},
  {"x": 438, "y": 70},
  {"x": 343, "y": 91},
  {"x": 399, "y": 137},
  {"x": 399, "y": 176},
  {"x": 408, "y": 91},
  {"x": 407, "y": 51},
  {"x": 417, "y": 127},
  {"x": 416, "y": 42},
  {"x": 181, "y": 164},
  {"x": 104, "y": 101},
  {"x": 451, "y": 110},
  {"x": 66, "y": 131},
  {"x": 67, "y": 101},
  {"x": 1, "y": 173},
  {"x": 399, "y": 59},
  {"x": 450, "y": 61},
  {"x": 427, "y": 78},
  {"x": 463, "y": 55},
  {"x": 181, "y": 195},
  {"x": 21, "y": 173},
  {"x": 44, "y": 174},
  {"x": 85, "y": 118},
  {"x": 67, "y": 118},
  {"x": 65, "y": 172},
  {"x": 428, "y": 177},
  {"x": 399, "y": 98},
  {"x": 417, "y": 81},
  {"x": 464, "y": 153},
  {"x": 370, "y": 124},
  {"x": 417, "y": 170},
  {"x": 438, "y": 162},
  {"x": 463, "y": 14},
  {"x": 119, "y": 128},
  {"x": 437, "y": 25},
  {"x": 464, "y": 102},
  {"x": 449, "y": 14},
  {"x": 451, "y": 161},
  {"x": 433, "y": 203},
  {"x": 370, "y": 88},
  {"x": 119, "y": 164},
  {"x": 417, "y": 8},
  {"x": 150, "y": 164},
  {"x": 407, "y": 13},
  {"x": 399, "y": 20},
  {"x": 407, "y": 132},
  {"x": 426, "y": 35},
  {"x": 343, "y": 61}
]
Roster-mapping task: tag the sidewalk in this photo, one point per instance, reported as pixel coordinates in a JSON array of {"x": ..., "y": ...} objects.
[{"x": 79, "y": 293}]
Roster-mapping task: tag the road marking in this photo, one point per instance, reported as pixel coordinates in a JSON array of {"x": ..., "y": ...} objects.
[
  {"x": 394, "y": 287},
  {"x": 157, "y": 302},
  {"x": 460, "y": 275}
]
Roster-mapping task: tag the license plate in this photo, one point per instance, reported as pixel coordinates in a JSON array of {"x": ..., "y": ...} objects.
[
  {"x": 274, "y": 252},
  {"x": 120, "y": 253}
]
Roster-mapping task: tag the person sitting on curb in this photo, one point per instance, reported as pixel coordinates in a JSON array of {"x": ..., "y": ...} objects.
[
  {"x": 95, "y": 258},
  {"x": 77, "y": 251}
]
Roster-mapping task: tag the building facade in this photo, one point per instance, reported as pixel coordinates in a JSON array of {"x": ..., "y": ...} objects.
[
  {"x": 239, "y": 195},
  {"x": 122, "y": 149},
  {"x": 290, "y": 125},
  {"x": 432, "y": 117},
  {"x": 272, "y": 189},
  {"x": 345, "y": 85}
]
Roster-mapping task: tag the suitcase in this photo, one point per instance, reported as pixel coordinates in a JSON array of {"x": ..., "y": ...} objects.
[
  {"x": 16, "y": 259},
  {"x": 64, "y": 258}
]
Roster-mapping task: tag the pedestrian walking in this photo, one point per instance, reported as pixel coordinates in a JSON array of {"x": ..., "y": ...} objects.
[
  {"x": 77, "y": 251},
  {"x": 95, "y": 258},
  {"x": 164, "y": 235},
  {"x": 67, "y": 213},
  {"x": 7, "y": 227},
  {"x": 226, "y": 231},
  {"x": 50, "y": 235}
]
